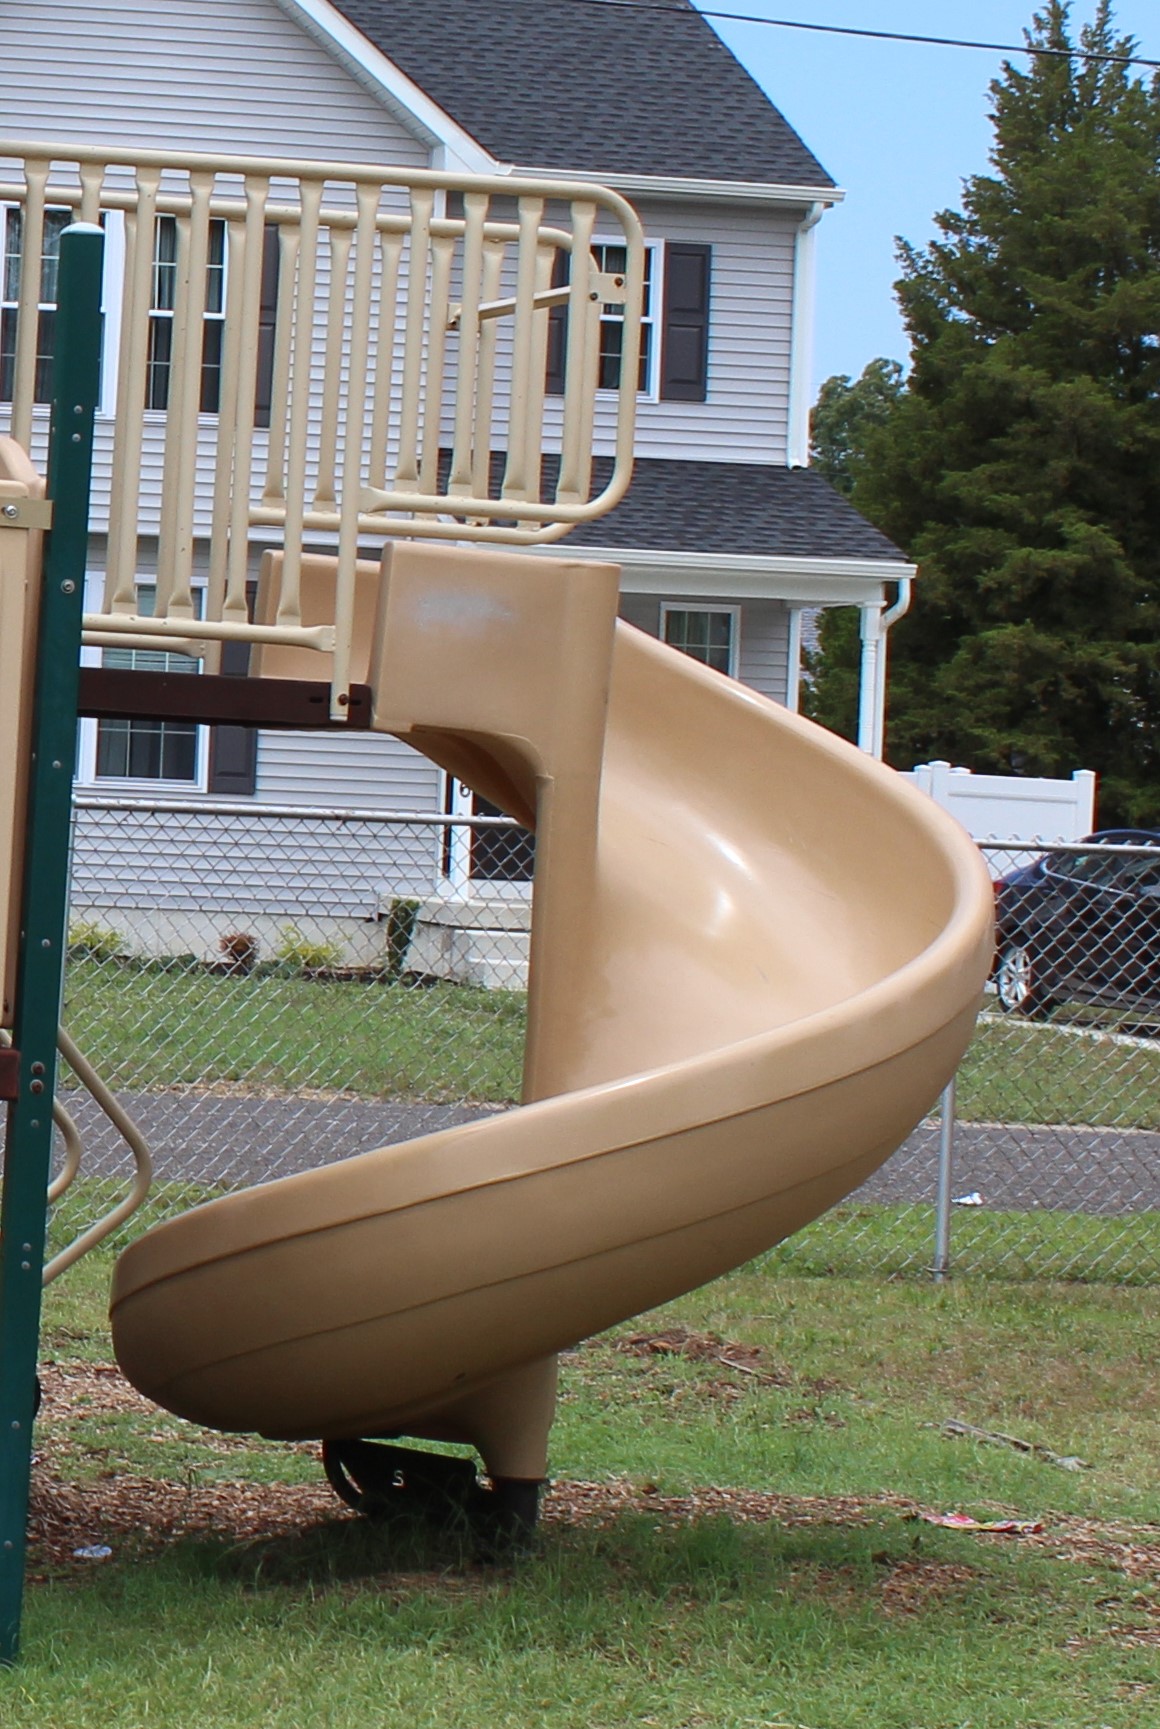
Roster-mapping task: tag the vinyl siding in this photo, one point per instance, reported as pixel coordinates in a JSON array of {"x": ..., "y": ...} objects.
[
  {"x": 364, "y": 771},
  {"x": 763, "y": 659},
  {"x": 225, "y": 75},
  {"x": 745, "y": 417},
  {"x": 244, "y": 866}
]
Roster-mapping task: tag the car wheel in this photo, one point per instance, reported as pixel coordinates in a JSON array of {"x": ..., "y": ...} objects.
[{"x": 1017, "y": 982}]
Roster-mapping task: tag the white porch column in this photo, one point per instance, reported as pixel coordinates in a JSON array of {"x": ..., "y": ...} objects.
[
  {"x": 457, "y": 878},
  {"x": 871, "y": 684}
]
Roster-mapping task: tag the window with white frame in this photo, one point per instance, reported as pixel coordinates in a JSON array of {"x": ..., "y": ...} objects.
[
  {"x": 709, "y": 634},
  {"x": 166, "y": 751},
  {"x": 159, "y": 364},
  {"x": 163, "y": 296},
  {"x": 12, "y": 233},
  {"x": 675, "y": 346},
  {"x": 612, "y": 260}
]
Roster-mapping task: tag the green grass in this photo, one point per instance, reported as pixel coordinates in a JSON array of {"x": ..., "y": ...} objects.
[
  {"x": 985, "y": 1243},
  {"x": 156, "y": 1028},
  {"x": 656, "y": 1614},
  {"x": 1014, "y": 1072},
  {"x": 149, "y": 1028}
]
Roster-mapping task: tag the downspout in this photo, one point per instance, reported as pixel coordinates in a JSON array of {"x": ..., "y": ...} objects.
[
  {"x": 889, "y": 617},
  {"x": 801, "y": 344}
]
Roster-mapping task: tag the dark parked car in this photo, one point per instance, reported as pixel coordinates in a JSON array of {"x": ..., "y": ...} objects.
[{"x": 1081, "y": 925}]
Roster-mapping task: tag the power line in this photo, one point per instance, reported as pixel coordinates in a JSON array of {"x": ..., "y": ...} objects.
[{"x": 875, "y": 35}]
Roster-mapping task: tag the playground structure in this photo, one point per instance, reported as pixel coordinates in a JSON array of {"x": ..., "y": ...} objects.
[{"x": 733, "y": 1017}]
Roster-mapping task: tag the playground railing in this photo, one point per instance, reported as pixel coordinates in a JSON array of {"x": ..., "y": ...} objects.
[{"x": 299, "y": 352}]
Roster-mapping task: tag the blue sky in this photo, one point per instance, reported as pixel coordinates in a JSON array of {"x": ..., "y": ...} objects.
[{"x": 897, "y": 125}]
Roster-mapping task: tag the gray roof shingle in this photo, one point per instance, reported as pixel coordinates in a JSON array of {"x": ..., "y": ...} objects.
[
  {"x": 739, "y": 508},
  {"x": 591, "y": 86}
]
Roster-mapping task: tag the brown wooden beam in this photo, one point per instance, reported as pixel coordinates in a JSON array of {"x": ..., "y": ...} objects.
[
  {"x": 208, "y": 699},
  {"x": 9, "y": 1074}
]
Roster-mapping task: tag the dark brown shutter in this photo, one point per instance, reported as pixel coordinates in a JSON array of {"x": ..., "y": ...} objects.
[
  {"x": 557, "y": 330},
  {"x": 264, "y": 385},
  {"x": 685, "y": 340},
  {"x": 233, "y": 750}
]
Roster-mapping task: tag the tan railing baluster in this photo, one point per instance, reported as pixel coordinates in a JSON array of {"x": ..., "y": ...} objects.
[
  {"x": 339, "y": 243},
  {"x": 274, "y": 489},
  {"x": 494, "y": 254},
  {"x": 442, "y": 254},
  {"x": 354, "y": 442},
  {"x": 250, "y": 241},
  {"x": 475, "y": 206},
  {"x": 175, "y": 549},
  {"x": 517, "y": 470},
  {"x": 92, "y": 183},
  {"x": 581, "y": 361},
  {"x": 28, "y": 302},
  {"x": 289, "y": 607},
  {"x": 128, "y": 424},
  {"x": 410, "y": 407},
  {"x": 536, "y": 389},
  {"x": 390, "y": 255}
]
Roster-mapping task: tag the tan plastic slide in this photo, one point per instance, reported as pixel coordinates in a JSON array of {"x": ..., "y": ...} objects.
[{"x": 756, "y": 960}]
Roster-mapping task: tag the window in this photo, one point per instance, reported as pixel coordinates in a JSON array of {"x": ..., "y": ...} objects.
[
  {"x": 12, "y": 224},
  {"x": 613, "y": 261},
  {"x": 159, "y": 365},
  {"x": 708, "y": 634},
  {"x": 674, "y": 351},
  {"x": 154, "y": 750},
  {"x": 163, "y": 297}
]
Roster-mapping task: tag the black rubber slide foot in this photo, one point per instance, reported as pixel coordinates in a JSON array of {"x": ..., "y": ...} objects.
[{"x": 384, "y": 1482}]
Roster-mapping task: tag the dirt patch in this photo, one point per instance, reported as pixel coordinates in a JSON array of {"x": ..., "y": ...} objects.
[
  {"x": 136, "y": 1513},
  {"x": 913, "y": 1586},
  {"x": 746, "y": 1366}
]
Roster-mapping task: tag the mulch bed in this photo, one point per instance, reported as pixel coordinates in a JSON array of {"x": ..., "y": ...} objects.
[{"x": 124, "y": 1512}]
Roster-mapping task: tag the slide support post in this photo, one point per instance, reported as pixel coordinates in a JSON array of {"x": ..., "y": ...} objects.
[{"x": 41, "y": 948}]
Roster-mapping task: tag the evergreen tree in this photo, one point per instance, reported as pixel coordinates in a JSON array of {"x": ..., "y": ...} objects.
[
  {"x": 844, "y": 416},
  {"x": 1021, "y": 469},
  {"x": 843, "y": 419}
]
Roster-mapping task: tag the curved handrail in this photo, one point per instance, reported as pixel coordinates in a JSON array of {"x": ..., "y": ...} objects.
[
  {"x": 70, "y": 1134},
  {"x": 73, "y": 1152},
  {"x": 134, "y": 1139}
]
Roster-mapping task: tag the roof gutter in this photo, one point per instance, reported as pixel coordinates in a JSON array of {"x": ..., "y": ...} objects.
[
  {"x": 749, "y": 576},
  {"x": 760, "y": 192}
]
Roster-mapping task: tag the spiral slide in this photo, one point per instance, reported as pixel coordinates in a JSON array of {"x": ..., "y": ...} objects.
[{"x": 756, "y": 960}]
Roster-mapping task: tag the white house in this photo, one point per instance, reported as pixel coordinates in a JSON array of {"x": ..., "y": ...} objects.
[{"x": 726, "y": 537}]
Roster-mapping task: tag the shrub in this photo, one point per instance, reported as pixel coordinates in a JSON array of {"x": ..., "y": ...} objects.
[
  {"x": 241, "y": 952},
  {"x": 88, "y": 940},
  {"x": 308, "y": 955}
]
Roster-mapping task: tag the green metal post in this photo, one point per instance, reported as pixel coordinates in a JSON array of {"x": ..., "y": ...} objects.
[{"x": 40, "y": 958}]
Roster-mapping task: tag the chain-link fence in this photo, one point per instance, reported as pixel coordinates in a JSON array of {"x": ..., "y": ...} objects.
[
  {"x": 1050, "y": 1139},
  {"x": 267, "y": 990}
]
